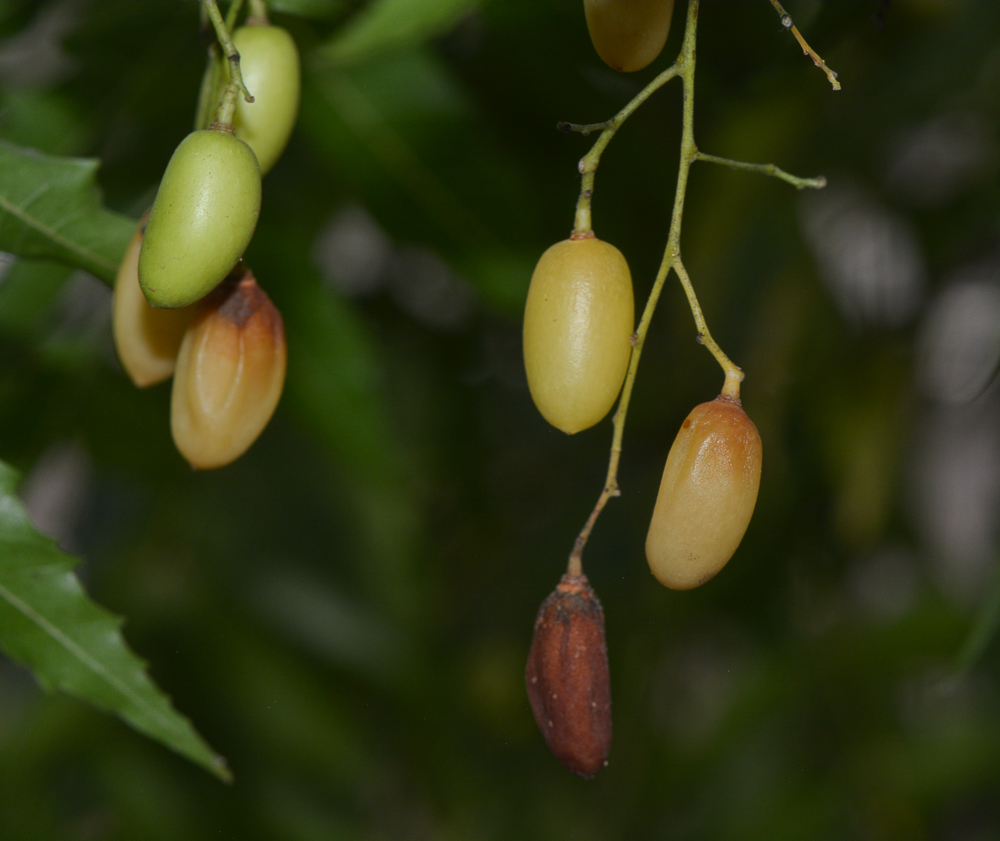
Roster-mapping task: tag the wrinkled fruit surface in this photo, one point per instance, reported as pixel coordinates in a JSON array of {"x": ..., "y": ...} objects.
[
  {"x": 628, "y": 34},
  {"x": 269, "y": 62},
  {"x": 146, "y": 339},
  {"x": 229, "y": 376},
  {"x": 707, "y": 495},
  {"x": 578, "y": 320},
  {"x": 202, "y": 220},
  {"x": 567, "y": 677}
]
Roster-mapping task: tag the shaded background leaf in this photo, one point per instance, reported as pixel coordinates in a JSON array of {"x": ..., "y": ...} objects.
[{"x": 383, "y": 25}]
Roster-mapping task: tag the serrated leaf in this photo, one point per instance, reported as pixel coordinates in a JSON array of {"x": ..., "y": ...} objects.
[
  {"x": 317, "y": 9},
  {"x": 70, "y": 643},
  {"x": 390, "y": 24},
  {"x": 50, "y": 209}
]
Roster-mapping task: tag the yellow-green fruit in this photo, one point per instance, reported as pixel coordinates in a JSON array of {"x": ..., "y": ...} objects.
[
  {"x": 577, "y": 327},
  {"x": 146, "y": 339},
  {"x": 229, "y": 376},
  {"x": 269, "y": 62},
  {"x": 202, "y": 219},
  {"x": 628, "y": 34},
  {"x": 707, "y": 495}
]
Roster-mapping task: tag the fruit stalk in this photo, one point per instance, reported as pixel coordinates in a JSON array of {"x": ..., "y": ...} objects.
[{"x": 225, "y": 39}]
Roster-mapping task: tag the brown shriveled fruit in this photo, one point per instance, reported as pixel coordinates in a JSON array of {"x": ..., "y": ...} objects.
[
  {"x": 578, "y": 320},
  {"x": 230, "y": 373},
  {"x": 707, "y": 495},
  {"x": 567, "y": 677},
  {"x": 146, "y": 339},
  {"x": 628, "y": 34}
]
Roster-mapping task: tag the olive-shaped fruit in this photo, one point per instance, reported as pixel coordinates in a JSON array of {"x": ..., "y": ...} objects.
[
  {"x": 628, "y": 34},
  {"x": 202, "y": 220},
  {"x": 707, "y": 495},
  {"x": 269, "y": 62},
  {"x": 146, "y": 339},
  {"x": 578, "y": 321},
  {"x": 230, "y": 373},
  {"x": 567, "y": 677}
]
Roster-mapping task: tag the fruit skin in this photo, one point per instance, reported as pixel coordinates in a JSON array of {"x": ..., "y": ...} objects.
[
  {"x": 578, "y": 321},
  {"x": 146, "y": 339},
  {"x": 628, "y": 34},
  {"x": 707, "y": 495},
  {"x": 269, "y": 62},
  {"x": 567, "y": 677},
  {"x": 202, "y": 220},
  {"x": 230, "y": 373}
]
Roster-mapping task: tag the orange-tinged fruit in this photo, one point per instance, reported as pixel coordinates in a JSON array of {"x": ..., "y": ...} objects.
[
  {"x": 230, "y": 373},
  {"x": 578, "y": 323},
  {"x": 707, "y": 495},
  {"x": 628, "y": 34},
  {"x": 146, "y": 339}
]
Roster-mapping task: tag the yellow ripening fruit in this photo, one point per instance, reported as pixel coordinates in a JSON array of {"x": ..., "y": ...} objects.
[
  {"x": 202, "y": 220},
  {"x": 230, "y": 373},
  {"x": 578, "y": 323},
  {"x": 628, "y": 34},
  {"x": 269, "y": 62},
  {"x": 707, "y": 495},
  {"x": 146, "y": 339}
]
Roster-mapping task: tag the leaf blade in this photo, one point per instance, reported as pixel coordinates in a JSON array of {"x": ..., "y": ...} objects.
[
  {"x": 390, "y": 24},
  {"x": 70, "y": 643},
  {"x": 50, "y": 208}
]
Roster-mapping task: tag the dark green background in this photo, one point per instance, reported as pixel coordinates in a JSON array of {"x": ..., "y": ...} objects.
[{"x": 344, "y": 613}]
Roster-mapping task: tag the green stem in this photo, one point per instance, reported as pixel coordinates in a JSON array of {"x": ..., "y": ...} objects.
[
  {"x": 222, "y": 33},
  {"x": 258, "y": 14},
  {"x": 788, "y": 23},
  {"x": 582, "y": 226},
  {"x": 231, "y": 15},
  {"x": 227, "y": 109},
  {"x": 817, "y": 183}
]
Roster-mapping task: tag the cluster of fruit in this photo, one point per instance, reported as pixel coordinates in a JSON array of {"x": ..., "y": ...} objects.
[
  {"x": 185, "y": 303},
  {"x": 578, "y": 344}
]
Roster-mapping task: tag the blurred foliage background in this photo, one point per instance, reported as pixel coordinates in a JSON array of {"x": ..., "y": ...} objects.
[{"x": 345, "y": 612}]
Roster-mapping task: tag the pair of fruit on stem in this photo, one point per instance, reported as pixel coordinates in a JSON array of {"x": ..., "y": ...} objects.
[
  {"x": 207, "y": 206},
  {"x": 578, "y": 322},
  {"x": 185, "y": 303},
  {"x": 226, "y": 353}
]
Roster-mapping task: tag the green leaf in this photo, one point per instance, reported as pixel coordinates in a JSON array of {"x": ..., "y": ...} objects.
[
  {"x": 50, "y": 209},
  {"x": 48, "y": 623},
  {"x": 390, "y": 24},
  {"x": 317, "y": 9}
]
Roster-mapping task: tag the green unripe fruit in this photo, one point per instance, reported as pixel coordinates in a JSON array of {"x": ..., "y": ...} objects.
[
  {"x": 202, "y": 220},
  {"x": 269, "y": 62},
  {"x": 707, "y": 495},
  {"x": 578, "y": 322},
  {"x": 146, "y": 339},
  {"x": 628, "y": 34}
]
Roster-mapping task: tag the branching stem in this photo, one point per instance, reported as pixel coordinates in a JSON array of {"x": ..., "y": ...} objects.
[
  {"x": 222, "y": 33},
  {"x": 817, "y": 183},
  {"x": 788, "y": 23},
  {"x": 683, "y": 67}
]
